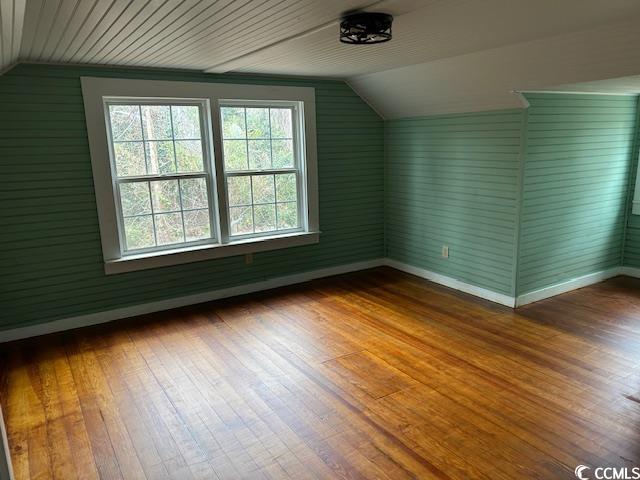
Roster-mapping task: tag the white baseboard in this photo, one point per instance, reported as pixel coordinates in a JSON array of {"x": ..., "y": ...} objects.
[
  {"x": 453, "y": 283},
  {"x": 630, "y": 272},
  {"x": 119, "y": 313},
  {"x": 125, "y": 312},
  {"x": 521, "y": 300},
  {"x": 567, "y": 286}
]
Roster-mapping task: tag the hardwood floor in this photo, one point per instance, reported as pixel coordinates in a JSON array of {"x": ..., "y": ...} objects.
[{"x": 376, "y": 374}]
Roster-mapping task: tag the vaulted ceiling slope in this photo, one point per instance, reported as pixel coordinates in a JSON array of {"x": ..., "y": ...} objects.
[
  {"x": 446, "y": 55},
  {"x": 486, "y": 80},
  {"x": 11, "y": 21}
]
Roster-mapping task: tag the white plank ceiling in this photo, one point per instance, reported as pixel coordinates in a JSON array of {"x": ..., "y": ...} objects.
[
  {"x": 300, "y": 37},
  {"x": 11, "y": 22}
]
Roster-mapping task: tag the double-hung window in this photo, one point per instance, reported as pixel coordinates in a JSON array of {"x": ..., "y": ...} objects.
[
  {"x": 191, "y": 171},
  {"x": 261, "y": 168},
  {"x": 160, "y": 163}
]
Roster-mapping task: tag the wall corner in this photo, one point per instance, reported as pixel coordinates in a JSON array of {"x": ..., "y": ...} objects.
[{"x": 520, "y": 191}]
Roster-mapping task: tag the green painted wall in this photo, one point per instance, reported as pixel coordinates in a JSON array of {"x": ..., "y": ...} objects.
[
  {"x": 453, "y": 180},
  {"x": 523, "y": 198},
  {"x": 50, "y": 256},
  {"x": 632, "y": 242},
  {"x": 632, "y": 239},
  {"x": 576, "y": 180}
]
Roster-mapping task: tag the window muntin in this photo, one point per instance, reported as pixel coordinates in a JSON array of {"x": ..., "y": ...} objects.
[
  {"x": 262, "y": 168},
  {"x": 162, "y": 174},
  {"x": 98, "y": 92}
]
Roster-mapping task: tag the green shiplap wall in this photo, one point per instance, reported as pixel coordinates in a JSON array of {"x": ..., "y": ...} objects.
[
  {"x": 632, "y": 242},
  {"x": 579, "y": 158},
  {"x": 50, "y": 255},
  {"x": 453, "y": 180},
  {"x": 524, "y": 199},
  {"x": 632, "y": 238}
]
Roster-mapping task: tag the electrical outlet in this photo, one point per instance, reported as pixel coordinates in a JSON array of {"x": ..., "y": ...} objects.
[
  {"x": 445, "y": 251},
  {"x": 248, "y": 259}
]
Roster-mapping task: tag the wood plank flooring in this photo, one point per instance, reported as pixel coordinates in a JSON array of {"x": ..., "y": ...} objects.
[{"x": 376, "y": 374}]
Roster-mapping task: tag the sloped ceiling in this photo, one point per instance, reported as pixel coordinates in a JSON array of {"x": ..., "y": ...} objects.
[
  {"x": 486, "y": 80},
  {"x": 446, "y": 55},
  {"x": 11, "y": 21},
  {"x": 192, "y": 34}
]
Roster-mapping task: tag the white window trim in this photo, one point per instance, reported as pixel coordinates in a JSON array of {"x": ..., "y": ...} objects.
[
  {"x": 208, "y": 174},
  {"x": 299, "y": 166},
  {"x": 94, "y": 91}
]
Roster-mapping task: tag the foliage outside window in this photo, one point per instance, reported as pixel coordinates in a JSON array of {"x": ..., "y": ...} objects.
[
  {"x": 184, "y": 171},
  {"x": 261, "y": 169},
  {"x": 161, "y": 177}
]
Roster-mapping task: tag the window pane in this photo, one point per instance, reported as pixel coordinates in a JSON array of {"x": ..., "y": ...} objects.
[
  {"x": 257, "y": 122},
  {"x": 158, "y": 140},
  {"x": 194, "y": 193},
  {"x": 135, "y": 198},
  {"x": 233, "y": 122},
  {"x": 196, "y": 225},
  {"x": 186, "y": 122},
  {"x": 169, "y": 228},
  {"x": 165, "y": 196},
  {"x": 259, "y": 154},
  {"x": 286, "y": 188},
  {"x": 139, "y": 232},
  {"x": 239, "y": 190},
  {"x": 156, "y": 122},
  {"x": 281, "y": 123},
  {"x": 160, "y": 157},
  {"x": 241, "y": 220},
  {"x": 189, "y": 155},
  {"x": 129, "y": 159},
  {"x": 265, "y": 217},
  {"x": 125, "y": 122},
  {"x": 287, "y": 215},
  {"x": 282, "y": 153},
  {"x": 235, "y": 155},
  {"x": 263, "y": 189}
]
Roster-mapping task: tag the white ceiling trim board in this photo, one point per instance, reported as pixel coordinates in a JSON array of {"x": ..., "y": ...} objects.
[
  {"x": 238, "y": 61},
  {"x": 233, "y": 63},
  {"x": 557, "y": 90}
]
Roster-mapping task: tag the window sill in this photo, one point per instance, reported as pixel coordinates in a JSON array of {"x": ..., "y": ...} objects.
[{"x": 179, "y": 256}]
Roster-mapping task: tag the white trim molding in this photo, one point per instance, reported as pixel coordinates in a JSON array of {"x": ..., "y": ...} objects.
[
  {"x": 630, "y": 272},
  {"x": 125, "y": 312},
  {"x": 567, "y": 286},
  {"x": 520, "y": 300},
  {"x": 207, "y": 252},
  {"x": 98, "y": 93},
  {"x": 132, "y": 311},
  {"x": 450, "y": 282}
]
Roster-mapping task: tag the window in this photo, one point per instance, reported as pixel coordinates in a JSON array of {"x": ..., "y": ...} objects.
[
  {"x": 160, "y": 165},
  {"x": 261, "y": 168},
  {"x": 190, "y": 171}
]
